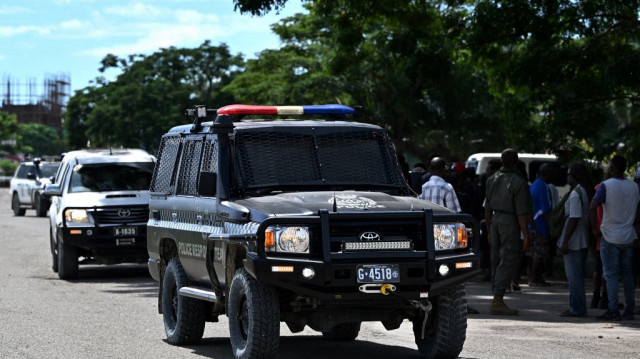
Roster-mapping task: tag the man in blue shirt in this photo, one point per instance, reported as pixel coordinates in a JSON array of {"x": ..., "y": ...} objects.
[{"x": 541, "y": 209}]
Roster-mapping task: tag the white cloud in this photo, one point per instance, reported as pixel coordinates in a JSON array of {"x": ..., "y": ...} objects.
[
  {"x": 143, "y": 29},
  {"x": 11, "y": 10},
  {"x": 6, "y": 31},
  {"x": 137, "y": 10},
  {"x": 72, "y": 24},
  {"x": 160, "y": 35}
]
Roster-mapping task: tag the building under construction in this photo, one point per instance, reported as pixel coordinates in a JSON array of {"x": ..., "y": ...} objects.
[{"x": 36, "y": 104}]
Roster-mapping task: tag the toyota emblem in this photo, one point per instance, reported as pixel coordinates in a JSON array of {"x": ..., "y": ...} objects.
[
  {"x": 370, "y": 237},
  {"x": 123, "y": 212}
]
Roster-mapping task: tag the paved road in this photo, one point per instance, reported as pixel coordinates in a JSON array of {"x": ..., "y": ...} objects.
[{"x": 111, "y": 312}]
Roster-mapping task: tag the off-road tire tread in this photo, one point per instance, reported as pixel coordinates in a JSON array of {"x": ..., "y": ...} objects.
[
  {"x": 41, "y": 210},
  {"x": 15, "y": 206},
  {"x": 343, "y": 332},
  {"x": 191, "y": 312},
  {"x": 264, "y": 338},
  {"x": 54, "y": 256},
  {"x": 451, "y": 327},
  {"x": 67, "y": 261}
]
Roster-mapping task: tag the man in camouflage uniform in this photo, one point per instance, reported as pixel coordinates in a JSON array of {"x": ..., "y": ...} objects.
[{"x": 507, "y": 211}]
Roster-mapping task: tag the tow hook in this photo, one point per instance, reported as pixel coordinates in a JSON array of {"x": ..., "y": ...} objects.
[{"x": 386, "y": 289}]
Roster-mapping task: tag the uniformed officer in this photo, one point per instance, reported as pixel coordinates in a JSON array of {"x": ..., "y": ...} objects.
[{"x": 507, "y": 211}]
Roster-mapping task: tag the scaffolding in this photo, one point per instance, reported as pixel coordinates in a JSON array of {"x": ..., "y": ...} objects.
[{"x": 31, "y": 103}]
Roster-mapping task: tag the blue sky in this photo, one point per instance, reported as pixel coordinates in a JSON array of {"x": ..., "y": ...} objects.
[{"x": 40, "y": 37}]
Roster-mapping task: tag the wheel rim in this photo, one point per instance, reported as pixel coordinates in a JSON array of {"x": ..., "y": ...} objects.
[
  {"x": 243, "y": 318},
  {"x": 174, "y": 303}
]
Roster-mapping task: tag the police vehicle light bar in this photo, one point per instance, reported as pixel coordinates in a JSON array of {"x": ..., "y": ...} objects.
[{"x": 286, "y": 110}]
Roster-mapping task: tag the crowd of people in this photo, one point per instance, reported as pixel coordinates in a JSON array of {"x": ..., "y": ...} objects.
[{"x": 524, "y": 225}]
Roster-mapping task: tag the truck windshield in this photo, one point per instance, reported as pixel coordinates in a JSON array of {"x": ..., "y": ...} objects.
[
  {"x": 111, "y": 177},
  {"x": 321, "y": 157}
]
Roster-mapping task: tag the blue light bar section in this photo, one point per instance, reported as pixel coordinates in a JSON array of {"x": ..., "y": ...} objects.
[{"x": 328, "y": 110}]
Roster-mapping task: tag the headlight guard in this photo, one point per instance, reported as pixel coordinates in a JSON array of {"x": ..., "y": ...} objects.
[
  {"x": 449, "y": 236},
  {"x": 287, "y": 239}
]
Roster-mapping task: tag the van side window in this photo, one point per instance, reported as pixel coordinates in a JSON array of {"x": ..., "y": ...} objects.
[
  {"x": 168, "y": 156},
  {"x": 189, "y": 168}
]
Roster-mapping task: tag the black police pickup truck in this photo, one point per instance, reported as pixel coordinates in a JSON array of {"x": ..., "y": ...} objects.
[{"x": 308, "y": 222}]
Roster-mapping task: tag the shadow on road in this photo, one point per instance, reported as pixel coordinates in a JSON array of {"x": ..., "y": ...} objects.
[
  {"x": 126, "y": 278},
  {"x": 536, "y": 304},
  {"x": 311, "y": 347}
]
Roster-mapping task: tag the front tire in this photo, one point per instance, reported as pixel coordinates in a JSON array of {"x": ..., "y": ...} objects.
[
  {"x": 15, "y": 206},
  {"x": 54, "y": 252},
  {"x": 67, "y": 261},
  {"x": 183, "y": 317},
  {"x": 446, "y": 329},
  {"x": 254, "y": 318},
  {"x": 343, "y": 332},
  {"x": 41, "y": 206}
]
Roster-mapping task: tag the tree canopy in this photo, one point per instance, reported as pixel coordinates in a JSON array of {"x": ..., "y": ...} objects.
[
  {"x": 149, "y": 96},
  {"x": 450, "y": 77},
  {"x": 37, "y": 139},
  {"x": 8, "y": 125}
]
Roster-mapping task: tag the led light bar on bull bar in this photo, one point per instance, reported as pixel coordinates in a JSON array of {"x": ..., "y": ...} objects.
[{"x": 286, "y": 110}]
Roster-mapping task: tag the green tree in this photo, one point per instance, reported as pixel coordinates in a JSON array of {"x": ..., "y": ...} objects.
[
  {"x": 8, "y": 125},
  {"x": 258, "y": 7},
  {"x": 565, "y": 72},
  {"x": 556, "y": 75},
  {"x": 295, "y": 74},
  {"x": 37, "y": 139},
  {"x": 149, "y": 96}
]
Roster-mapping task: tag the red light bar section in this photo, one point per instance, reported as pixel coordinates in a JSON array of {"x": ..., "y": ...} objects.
[{"x": 247, "y": 110}]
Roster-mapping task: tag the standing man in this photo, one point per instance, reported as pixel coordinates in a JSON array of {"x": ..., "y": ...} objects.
[
  {"x": 437, "y": 190},
  {"x": 507, "y": 210},
  {"x": 440, "y": 192},
  {"x": 620, "y": 198},
  {"x": 541, "y": 210}
]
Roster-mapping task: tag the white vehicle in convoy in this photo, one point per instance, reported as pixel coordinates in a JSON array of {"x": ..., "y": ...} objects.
[
  {"x": 27, "y": 184},
  {"x": 99, "y": 209},
  {"x": 532, "y": 162}
]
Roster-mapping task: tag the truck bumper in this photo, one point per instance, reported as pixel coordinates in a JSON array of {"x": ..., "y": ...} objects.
[{"x": 331, "y": 281}]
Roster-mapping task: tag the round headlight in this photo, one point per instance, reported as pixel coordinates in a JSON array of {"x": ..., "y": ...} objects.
[
  {"x": 445, "y": 236},
  {"x": 294, "y": 239}
]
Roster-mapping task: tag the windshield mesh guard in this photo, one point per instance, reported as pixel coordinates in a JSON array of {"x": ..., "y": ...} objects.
[{"x": 314, "y": 156}]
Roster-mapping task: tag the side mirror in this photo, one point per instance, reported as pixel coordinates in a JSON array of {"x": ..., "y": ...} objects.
[
  {"x": 52, "y": 190},
  {"x": 31, "y": 176},
  {"x": 207, "y": 184}
]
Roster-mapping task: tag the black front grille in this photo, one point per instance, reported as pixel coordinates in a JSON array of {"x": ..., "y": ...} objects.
[
  {"x": 388, "y": 230},
  {"x": 121, "y": 215}
]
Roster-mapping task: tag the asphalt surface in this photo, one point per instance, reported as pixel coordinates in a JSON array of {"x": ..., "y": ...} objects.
[{"x": 111, "y": 312}]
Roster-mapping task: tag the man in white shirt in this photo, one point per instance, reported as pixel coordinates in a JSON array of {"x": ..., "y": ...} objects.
[
  {"x": 437, "y": 190},
  {"x": 620, "y": 198}
]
